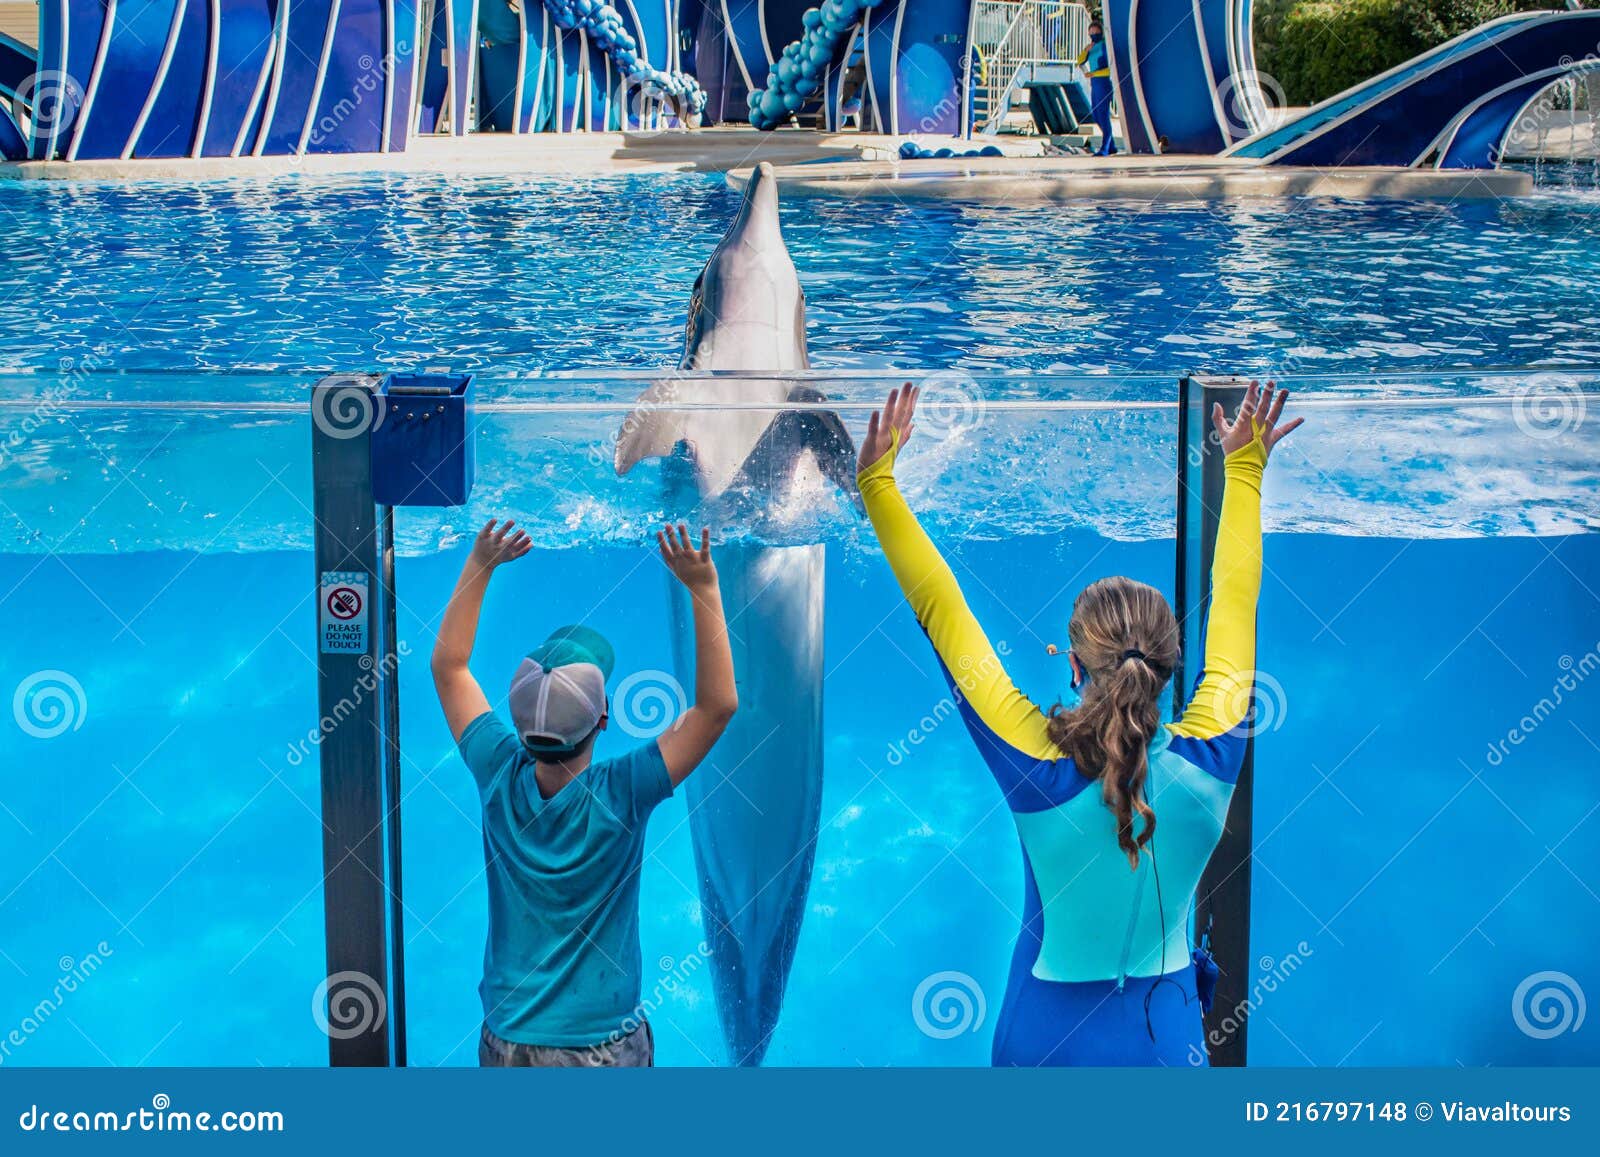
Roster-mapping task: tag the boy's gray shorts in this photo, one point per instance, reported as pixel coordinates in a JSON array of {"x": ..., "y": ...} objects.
[{"x": 636, "y": 1050}]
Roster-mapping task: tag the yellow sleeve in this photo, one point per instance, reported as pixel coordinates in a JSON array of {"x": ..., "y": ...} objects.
[
  {"x": 930, "y": 587},
  {"x": 1083, "y": 58},
  {"x": 1223, "y": 697}
]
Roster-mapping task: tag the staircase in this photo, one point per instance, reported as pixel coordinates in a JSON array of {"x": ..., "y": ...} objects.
[{"x": 1018, "y": 45}]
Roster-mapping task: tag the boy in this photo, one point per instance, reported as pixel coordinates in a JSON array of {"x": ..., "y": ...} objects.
[{"x": 563, "y": 835}]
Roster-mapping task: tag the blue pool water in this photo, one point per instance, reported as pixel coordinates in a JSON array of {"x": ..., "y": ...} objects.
[
  {"x": 1430, "y": 593},
  {"x": 540, "y": 274}
]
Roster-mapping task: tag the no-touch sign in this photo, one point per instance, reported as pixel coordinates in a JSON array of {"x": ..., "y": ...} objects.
[
  {"x": 344, "y": 603},
  {"x": 342, "y": 612}
]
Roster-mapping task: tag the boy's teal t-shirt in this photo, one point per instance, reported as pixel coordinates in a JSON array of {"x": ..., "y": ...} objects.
[{"x": 562, "y": 963}]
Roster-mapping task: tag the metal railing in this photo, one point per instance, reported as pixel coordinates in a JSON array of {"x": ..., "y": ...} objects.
[{"x": 1008, "y": 35}]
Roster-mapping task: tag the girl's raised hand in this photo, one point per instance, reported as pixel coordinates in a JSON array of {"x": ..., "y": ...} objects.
[
  {"x": 896, "y": 416},
  {"x": 1258, "y": 413}
]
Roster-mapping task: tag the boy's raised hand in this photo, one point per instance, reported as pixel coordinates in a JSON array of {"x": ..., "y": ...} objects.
[
  {"x": 716, "y": 695},
  {"x": 495, "y": 546},
  {"x": 691, "y": 565}
]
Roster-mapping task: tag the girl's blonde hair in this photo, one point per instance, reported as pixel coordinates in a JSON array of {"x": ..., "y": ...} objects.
[{"x": 1126, "y": 637}]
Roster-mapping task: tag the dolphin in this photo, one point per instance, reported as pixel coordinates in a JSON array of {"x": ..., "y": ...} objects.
[{"x": 754, "y": 806}]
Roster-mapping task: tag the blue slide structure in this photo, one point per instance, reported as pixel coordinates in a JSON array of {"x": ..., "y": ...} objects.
[
  {"x": 1186, "y": 82},
  {"x": 1452, "y": 107},
  {"x": 1185, "y": 73}
]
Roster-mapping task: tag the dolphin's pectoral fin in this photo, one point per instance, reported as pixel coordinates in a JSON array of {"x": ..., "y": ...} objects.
[
  {"x": 652, "y": 428},
  {"x": 823, "y": 433}
]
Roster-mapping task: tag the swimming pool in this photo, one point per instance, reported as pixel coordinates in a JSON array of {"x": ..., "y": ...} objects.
[{"x": 1426, "y": 836}]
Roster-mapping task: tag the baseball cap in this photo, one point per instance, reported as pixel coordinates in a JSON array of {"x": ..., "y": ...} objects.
[{"x": 558, "y": 694}]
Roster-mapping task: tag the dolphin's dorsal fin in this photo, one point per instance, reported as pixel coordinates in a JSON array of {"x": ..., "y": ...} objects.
[{"x": 652, "y": 428}]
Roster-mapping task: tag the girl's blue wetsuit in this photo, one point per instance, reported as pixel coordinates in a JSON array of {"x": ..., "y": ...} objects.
[{"x": 1102, "y": 973}]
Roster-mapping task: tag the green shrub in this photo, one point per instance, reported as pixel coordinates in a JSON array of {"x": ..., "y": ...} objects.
[{"x": 1315, "y": 48}]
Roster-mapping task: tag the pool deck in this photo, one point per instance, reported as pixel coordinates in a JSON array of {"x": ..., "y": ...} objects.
[
  {"x": 1031, "y": 180},
  {"x": 706, "y": 150},
  {"x": 857, "y": 165}
]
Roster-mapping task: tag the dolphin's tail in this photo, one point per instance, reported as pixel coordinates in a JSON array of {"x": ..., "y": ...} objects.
[
  {"x": 830, "y": 443},
  {"x": 820, "y": 433},
  {"x": 753, "y": 955}
]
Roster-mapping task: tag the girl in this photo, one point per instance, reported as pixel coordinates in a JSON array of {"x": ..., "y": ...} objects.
[{"x": 1117, "y": 814}]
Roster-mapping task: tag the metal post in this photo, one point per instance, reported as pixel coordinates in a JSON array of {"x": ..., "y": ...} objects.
[
  {"x": 1222, "y": 903},
  {"x": 349, "y": 676},
  {"x": 391, "y": 790}
]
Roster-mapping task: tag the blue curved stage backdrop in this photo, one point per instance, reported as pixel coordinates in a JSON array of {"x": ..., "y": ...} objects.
[
  {"x": 1185, "y": 73},
  {"x": 557, "y": 66},
  {"x": 215, "y": 78},
  {"x": 218, "y": 78},
  {"x": 18, "y": 66},
  {"x": 915, "y": 62}
]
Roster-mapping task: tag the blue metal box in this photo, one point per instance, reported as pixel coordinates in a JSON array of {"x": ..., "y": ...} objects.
[{"x": 422, "y": 453}]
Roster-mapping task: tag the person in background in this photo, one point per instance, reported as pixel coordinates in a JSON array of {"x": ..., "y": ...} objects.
[
  {"x": 1095, "y": 60},
  {"x": 563, "y": 834},
  {"x": 1117, "y": 812}
]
